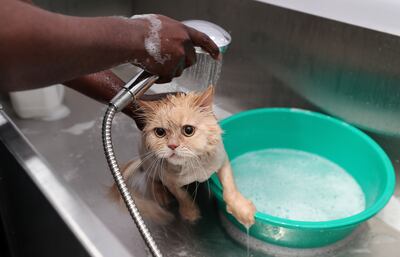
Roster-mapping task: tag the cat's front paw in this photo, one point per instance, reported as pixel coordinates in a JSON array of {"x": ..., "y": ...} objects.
[
  {"x": 242, "y": 209},
  {"x": 190, "y": 213}
]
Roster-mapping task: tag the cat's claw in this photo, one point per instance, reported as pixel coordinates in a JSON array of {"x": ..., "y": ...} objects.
[{"x": 190, "y": 213}]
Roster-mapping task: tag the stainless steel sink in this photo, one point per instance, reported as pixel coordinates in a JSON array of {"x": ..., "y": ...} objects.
[{"x": 270, "y": 63}]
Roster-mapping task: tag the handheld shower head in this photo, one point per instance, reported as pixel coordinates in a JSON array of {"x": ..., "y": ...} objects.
[
  {"x": 220, "y": 36},
  {"x": 133, "y": 89}
]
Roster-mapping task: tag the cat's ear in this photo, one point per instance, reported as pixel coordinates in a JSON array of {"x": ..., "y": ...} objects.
[
  {"x": 146, "y": 106},
  {"x": 205, "y": 99}
]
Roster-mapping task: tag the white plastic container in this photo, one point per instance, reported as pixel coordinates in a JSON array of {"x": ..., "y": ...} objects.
[{"x": 43, "y": 103}]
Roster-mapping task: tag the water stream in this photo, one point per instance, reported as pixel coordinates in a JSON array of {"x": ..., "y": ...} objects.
[{"x": 205, "y": 72}]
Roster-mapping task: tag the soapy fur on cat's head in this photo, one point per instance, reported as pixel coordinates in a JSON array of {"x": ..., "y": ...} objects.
[{"x": 181, "y": 126}]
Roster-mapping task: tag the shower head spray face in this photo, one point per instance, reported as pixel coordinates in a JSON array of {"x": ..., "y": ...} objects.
[{"x": 220, "y": 36}]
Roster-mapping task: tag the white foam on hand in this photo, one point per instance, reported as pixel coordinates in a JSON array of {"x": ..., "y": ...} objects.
[{"x": 152, "y": 42}]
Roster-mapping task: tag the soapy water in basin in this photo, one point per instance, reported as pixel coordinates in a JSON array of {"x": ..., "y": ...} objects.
[{"x": 297, "y": 185}]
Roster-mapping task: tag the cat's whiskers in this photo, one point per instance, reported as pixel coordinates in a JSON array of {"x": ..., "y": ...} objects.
[
  {"x": 156, "y": 171},
  {"x": 163, "y": 154},
  {"x": 147, "y": 155},
  {"x": 161, "y": 175},
  {"x": 196, "y": 158},
  {"x": 149, "y": 169},
  {"x": 140, "y": 156},
  {"x": 205, "y": 173},
  {"x": 195, "y": 192},
  {"x": 199, "y": 167},
  {"x": 154, "y": 176},
  {"x": 144, "y": 157},
  {"x": 186, "y": 152},
  {"x": 162, "y": 172},
  {"x": 197, "y": 183}
]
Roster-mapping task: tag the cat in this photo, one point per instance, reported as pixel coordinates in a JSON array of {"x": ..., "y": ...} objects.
[{"x": 181, "y": 144}]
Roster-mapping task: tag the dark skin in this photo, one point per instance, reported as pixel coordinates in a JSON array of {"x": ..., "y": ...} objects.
[
  {"x": 109, "y": 84},
  {"x": 39, "y": 48}
]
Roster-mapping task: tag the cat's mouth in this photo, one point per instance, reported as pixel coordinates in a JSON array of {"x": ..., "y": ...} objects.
[
  {"x": 176, "y": 159},
  {"x": 174, "y": 155}
]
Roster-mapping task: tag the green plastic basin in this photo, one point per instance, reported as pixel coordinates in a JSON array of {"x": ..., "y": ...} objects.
[{"x": 316, "y": 133}]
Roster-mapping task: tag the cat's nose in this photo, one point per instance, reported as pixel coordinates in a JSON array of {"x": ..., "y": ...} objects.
[{"x": 172, "y": 146}]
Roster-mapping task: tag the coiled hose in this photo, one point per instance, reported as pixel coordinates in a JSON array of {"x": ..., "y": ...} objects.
[{"x": 116, "y": 173}]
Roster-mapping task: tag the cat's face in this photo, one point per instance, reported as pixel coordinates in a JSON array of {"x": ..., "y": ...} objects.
[{"x": 181, "y": 128}]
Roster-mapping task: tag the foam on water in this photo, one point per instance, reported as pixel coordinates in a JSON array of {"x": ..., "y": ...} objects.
[{"x": 297, "y": 185}]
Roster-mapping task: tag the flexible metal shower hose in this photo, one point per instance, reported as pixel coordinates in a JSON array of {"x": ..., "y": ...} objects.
[{"x": 119, "y": 180}]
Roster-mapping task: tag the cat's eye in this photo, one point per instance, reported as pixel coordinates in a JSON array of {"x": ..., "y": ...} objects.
[
  {"x": 188, "y": 130},
  {"x": 160, "y": 132}
]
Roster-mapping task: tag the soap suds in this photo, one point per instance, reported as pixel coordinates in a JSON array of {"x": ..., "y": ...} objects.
[
  {"x": 152, "y": 42},
  {"x": 297, "y": 185},
  {"x": 79, "y": 128}
]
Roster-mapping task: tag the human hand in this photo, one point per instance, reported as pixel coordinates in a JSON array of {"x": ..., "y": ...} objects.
[{"x": 166, "y": 46}]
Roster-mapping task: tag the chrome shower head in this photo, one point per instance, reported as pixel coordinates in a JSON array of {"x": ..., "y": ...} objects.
[{"x": 220, "y": 36}]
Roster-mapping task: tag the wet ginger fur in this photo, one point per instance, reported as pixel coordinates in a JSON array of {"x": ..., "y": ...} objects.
[{"x": 181, "y": 144}]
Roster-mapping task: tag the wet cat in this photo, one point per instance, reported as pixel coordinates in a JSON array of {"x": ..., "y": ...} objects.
[{"x": 181, "y": 144}]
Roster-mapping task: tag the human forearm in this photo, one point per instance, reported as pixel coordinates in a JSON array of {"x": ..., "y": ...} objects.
[
  {"x": 38, "y": 48},
  {"x": 103, "y": 86}
]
